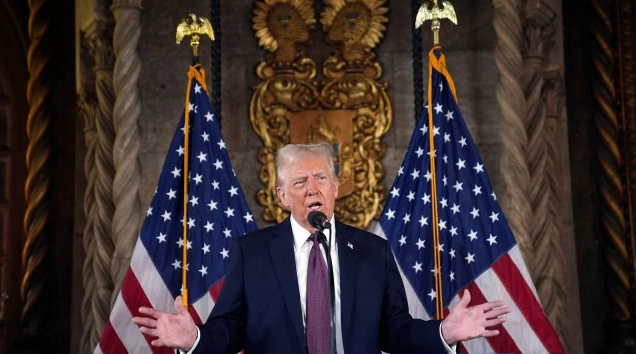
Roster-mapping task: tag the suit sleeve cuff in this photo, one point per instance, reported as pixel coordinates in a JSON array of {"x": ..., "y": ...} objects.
[
  {"x": 449, "y": 349},
  {"x": 196, "y": 342}
]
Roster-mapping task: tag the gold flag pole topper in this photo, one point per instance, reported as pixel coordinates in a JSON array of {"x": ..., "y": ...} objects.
[
  {"x": 194, "y": 29},
  {"x": 435, "y": 14}
]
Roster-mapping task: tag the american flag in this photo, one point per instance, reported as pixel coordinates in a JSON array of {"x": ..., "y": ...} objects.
[
  {"x": 217, "y": 213},
  {"x": 478, "y": 249}
]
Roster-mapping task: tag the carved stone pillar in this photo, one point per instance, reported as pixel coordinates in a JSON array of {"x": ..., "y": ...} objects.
[
  {"x": 98, "y": 34},
  {"x": 512, "y": 130},
  {"x": 128, "y": 215}
]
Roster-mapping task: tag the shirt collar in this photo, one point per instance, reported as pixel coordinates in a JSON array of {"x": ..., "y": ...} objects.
[{"x": 301, "y": 234}]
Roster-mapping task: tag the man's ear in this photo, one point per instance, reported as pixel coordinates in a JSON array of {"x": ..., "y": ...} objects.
[{"x": 282, "y": 196}]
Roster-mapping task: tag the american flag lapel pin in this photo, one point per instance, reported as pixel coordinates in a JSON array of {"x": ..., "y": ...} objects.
[{"x": 350, "y": 245}]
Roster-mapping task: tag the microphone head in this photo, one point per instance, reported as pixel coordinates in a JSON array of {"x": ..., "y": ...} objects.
[{"x": 317, "y": 219}]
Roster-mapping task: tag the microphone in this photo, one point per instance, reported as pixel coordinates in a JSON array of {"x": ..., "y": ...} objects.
[{"x": 318, "y": 220}]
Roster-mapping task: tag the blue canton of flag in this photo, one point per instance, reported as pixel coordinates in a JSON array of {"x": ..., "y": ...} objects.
[
  {"x": 477, "y": 248},
  {"x": 217, "y": 213}
]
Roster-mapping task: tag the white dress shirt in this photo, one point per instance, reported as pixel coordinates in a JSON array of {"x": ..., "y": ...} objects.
[{"x": 302, "y": 247}]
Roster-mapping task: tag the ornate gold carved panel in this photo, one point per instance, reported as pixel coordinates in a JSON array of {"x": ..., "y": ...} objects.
[{"x": 347, "y": 106}]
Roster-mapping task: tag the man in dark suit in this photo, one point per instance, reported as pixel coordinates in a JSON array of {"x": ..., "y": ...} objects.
[{"x": 275, "y": 297}]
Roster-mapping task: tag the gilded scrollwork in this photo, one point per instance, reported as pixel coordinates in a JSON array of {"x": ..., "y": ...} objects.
[{"x": 349, "y": 108}]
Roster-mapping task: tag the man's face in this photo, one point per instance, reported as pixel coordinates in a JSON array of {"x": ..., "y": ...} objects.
[{"x": 308, "y": 185}]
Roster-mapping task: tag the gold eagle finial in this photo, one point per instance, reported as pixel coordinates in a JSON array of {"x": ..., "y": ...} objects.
[
  {"x": 435, "y": 14},
  {"x": 196, "y": 28}
]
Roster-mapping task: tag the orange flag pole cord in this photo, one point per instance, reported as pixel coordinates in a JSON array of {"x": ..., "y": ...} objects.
[
  {"x": 440, "y": 66},
  {"x": 199, "y": 75}
]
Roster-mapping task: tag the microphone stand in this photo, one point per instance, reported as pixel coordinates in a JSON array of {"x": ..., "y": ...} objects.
[{"x": 332, "y": 296}]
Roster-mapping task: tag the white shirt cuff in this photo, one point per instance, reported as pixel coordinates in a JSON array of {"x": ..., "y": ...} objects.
[
  {"x": 196, "y": 342},
  {"x": 449, "y": 349}
]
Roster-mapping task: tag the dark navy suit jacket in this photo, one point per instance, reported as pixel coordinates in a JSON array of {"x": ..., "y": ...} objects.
[{"x": 258, "y": 309}]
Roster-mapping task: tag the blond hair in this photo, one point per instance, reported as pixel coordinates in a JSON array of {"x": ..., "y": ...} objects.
[{"x": 291, "y": 153}]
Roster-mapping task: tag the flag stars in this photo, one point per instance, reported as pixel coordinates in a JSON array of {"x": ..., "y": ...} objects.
[
  {"x": 197, "y": 88},
  {"x": 198, "y": 178},
  {"x": 438, "y": 108},
  {"x": 432, "y": 294},
  {"x": 446, "y": 137},
  {"x": 225, "y": 253},
  {"x": 417, "y": 267},
  {"x": 203, "y": 270},
  {"x": 477, "y": 190},
  {"x": 435, "y": 131},
  {"x": 191, "y": 107},
  {"x": 474, "y": 212},
  {"x": 194, "y": 200},
  {"x": 462, "y": 141},
  {"x": 212, "y": 205},
  {"x": 227, "y": 232},
  {"x": 445, "y": 180},
  {"x": 428, "y": 176},
  {"x": 494, "y": 217},
  {"x": 460, "y": 164},
  {"x": 478, "y": 168},
  {"x": 406, "y": 218},
  {"x": 180, "y": 150},
  {"x": 209, "y": 117},
  {"x": 395, "y": 192},
  {"x": 218, "y": 164},
  {"x": 472, "y": 235},
  {"x": 449, "y": 115},
  {"x": 452, "y": 275},
  {"x": 176, "y": 172},
  {"x": 420, "y": 243},
  {"x": 424, "y": 129},
  {"x": 209, "y": 226},
  {"x": 443, "y": 203},
  {"x": 166, "y": 216},
  {"x": 215, "y": 185},
  {"x": 455, "y": 208},
  {"x": 445, "y": 158},
  {"x": 248, "y": 217},
  {"x": 190, "y": 223},
  {"x": 402, "y": 240},
  {"x": 419, "y": 151},
  {"x": 470, "y": 258},
  {"x": 458, "y": 186},
  {"x": 434, "y": 153},
  {"x": 205, "y": 248},
  {"x": 183, "y": 129},
  {"x": 162, "y": 237},
  {"x": 411, "y": 196},
  {"x": 233, "y": 191},
  {"x": 441, "y": 247},
  {"x": 149, "y": 211},
  {"x": 426, "y": 198},
  {"x": 442, "y": 225},
  {"x": 452, "y": 253},
  {"x": 221, "y": 144},
  {"x": 205, "y": 136},
  {"x": 401, "y": 171},
  {"x": 423, "y": 221},
  {"x": 390, "y": 214},
  {"x": 171, "y": 194},
  {"x": 453, "y": 231},
  {"x": 415, "y": 174},
  {"x": 229, "y": 212},
  {"x": 176, "y": 264},
  {"x": 494, "y": 197},
  {"x": 441, "y": 87},
  {"x": 492, "y": 239},
  {"x": 202, "y": 157}
]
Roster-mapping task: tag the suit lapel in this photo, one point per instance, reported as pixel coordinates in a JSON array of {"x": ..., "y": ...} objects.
[
  {"x": 281, "y": 248},
  {"x": 348, "y": 259}
]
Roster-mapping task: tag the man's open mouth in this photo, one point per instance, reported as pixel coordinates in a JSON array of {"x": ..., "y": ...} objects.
[{"x": 315, "y": 206}]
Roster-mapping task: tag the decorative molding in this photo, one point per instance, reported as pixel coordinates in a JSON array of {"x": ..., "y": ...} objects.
[{"x": 38, "y": 180}]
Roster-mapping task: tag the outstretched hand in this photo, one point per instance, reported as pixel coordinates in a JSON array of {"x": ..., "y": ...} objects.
[
  {"x": 172, "y": 330},
  {"x": 464, "y": 323}
]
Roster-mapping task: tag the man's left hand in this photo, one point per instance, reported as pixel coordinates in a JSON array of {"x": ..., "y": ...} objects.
[{"x": 464, "y": 323}]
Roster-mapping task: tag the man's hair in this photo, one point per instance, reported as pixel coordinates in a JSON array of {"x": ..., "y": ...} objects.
[{"x": 291, "y": 153}]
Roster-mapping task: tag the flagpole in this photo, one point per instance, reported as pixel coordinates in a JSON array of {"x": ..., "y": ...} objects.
[
  {"x": 194, "y": 29},
  {"x": 435, "y": 14}
]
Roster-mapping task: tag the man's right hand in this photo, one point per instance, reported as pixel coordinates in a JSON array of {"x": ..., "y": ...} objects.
[{"x": 172, "y": 330}]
